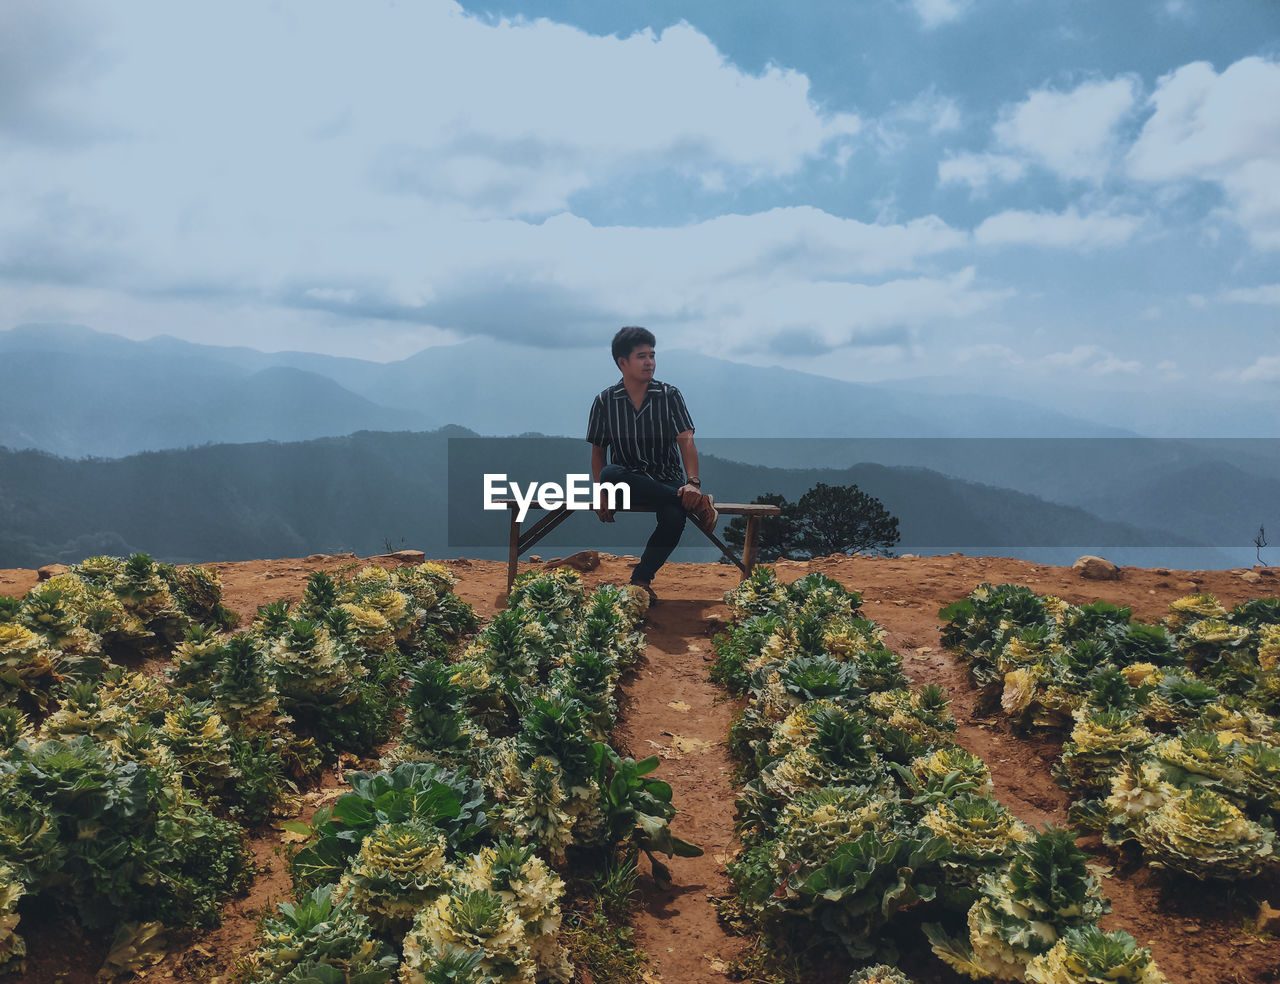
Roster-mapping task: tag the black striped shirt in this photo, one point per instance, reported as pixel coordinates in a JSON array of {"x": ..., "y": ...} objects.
[{"x": 642, "y": 440}]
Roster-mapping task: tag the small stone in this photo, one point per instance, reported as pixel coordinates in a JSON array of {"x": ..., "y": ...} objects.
[
  {"x": 909, "y": 557},
  {"x": 1096, "y": 569},
  {"x": 344, "y": 556},
  {"x": 1267, "y": 917},
  {"x": 1252, "y": 577},
  {"x": 408, "y": 556},
  {"x": 583, "y": 560},
  {"x": 317, "y": 558},
  {"x": 535, "y": 559},
  {"x": 51, "y": 570},
  {"x": 1186, "y": 585}
]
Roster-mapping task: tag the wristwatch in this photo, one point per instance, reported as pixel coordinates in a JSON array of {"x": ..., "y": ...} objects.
[{"x": 694, "y": 481}]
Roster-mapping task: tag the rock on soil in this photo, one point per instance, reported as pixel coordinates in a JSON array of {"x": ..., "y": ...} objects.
[{"x": 1096, "y": 568}]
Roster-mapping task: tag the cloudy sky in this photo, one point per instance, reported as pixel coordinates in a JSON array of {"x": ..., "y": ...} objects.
[{"x": 1034, "y": 193}]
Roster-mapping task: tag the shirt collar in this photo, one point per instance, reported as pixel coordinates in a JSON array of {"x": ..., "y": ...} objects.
[{"x": 619, "y": 390}]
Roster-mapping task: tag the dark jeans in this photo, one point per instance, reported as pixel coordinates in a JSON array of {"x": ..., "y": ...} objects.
[{"x": 649, "y": 493}]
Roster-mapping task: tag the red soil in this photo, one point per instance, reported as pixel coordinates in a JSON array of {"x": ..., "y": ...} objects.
[{"x": 1198, "y": 934}]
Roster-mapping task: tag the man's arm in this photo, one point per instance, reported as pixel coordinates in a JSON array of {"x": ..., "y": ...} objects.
[
  {"x": 597, "y": 463},
  {"x": 688, "y": 455},
  {"x": 598, "y": 435}
]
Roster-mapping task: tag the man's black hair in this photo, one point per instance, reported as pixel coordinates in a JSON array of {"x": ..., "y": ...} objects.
[{"x": 629, "y": 339}]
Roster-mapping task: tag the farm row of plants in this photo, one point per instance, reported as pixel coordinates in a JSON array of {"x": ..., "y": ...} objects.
[
  {"x": 861, "y": 815},
  {"x": 442, "y": 867},
  {"x": 1173, "y": 745},
  {"x": 124, "y": 794}
]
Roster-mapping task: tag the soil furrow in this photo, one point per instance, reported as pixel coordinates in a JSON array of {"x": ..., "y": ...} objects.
[{"x": 672, "y": 710}]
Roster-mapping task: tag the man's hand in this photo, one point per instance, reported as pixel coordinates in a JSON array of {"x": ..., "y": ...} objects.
[
  {"x": 688, "y": 495},
  {"x": 605, "y": 514}
]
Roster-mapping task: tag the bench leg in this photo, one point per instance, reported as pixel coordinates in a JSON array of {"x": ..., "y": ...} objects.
[
  {"x": 513, "y": 555},
  {"x": 750, "y": 545}
]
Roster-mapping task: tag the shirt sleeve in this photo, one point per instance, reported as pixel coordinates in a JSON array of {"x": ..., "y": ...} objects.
[
  {"x": 597, "y": 432},
  {"x": 680, "y": 418}
]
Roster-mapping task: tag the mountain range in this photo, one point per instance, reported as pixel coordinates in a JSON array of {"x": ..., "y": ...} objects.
[
  {"x": 375, "y": 491},
  {"x": 76, "y": 393},
  {"x": 248, "y": 420}
]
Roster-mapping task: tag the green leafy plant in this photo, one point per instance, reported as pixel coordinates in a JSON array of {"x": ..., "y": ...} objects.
[
  {"x": 1088, "y": 954},
  {"x": 411, "y": 792},
  {"x": 1021, "y": 913},
  {"x": 316, "y": 939},
  {"x": 637, "y": 810}
]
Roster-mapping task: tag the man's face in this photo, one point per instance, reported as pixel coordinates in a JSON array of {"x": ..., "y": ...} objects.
[{"x": 639, "y": 365}]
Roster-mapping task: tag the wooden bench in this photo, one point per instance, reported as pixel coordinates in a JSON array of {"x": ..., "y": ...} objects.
[{"x": 522, "y": 542}]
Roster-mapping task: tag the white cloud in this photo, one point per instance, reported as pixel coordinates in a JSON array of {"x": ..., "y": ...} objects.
[
  {"x": 930, "y": 110},
  {"x": 935, "y": 13},
  {"x": 667, "y": 102},
  {"x": 1112, "y": 364},
  {"x": 990, "y": 354},
  {"x": 1073, "y": 134},
  {"x": 832, "y": 314},
  {"x": 437, "y": 271},
  {"x": 1223, "y": 129},
  {"x": 1092, "y": 359},
  {"x": 1265, "y": 369},
  {"x": 978, "y": 171},
  {"x": 1074, "y": 359},
  {"x": 260, "y": 169},
  {"x": 1067, "y": 229},
  {"x": 47, "y": 53},
  {"x": 508, "y": 117},
  {"x": 1266, "y": 294}
]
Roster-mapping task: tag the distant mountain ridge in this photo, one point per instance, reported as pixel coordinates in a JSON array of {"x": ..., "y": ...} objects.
[
  {"x": 78, "y": 392},
  {"x": 102, "y": 396},
  {"x": 368, "y": 492}
]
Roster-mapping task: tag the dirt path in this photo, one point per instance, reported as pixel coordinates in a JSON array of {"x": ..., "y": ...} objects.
[{"x": 672, "y": 710}]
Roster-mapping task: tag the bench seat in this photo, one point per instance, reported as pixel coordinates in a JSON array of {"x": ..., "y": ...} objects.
[{"x": 522, "y": 542}]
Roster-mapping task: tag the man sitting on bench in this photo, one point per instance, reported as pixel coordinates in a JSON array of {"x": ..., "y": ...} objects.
[{"x": 642, "y": 424}]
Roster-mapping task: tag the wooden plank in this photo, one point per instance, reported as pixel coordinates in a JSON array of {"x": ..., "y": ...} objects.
[
  {"x": 728, "y": 508},
  {"x": 747, "y": 509},
  {"x": 541, "y": 528},
  {"x": 513, "y": 555},
  {"x": 750, "y": 545},
  {"x": 521, "y": 543},
  {"x": 710, "y": 535}
]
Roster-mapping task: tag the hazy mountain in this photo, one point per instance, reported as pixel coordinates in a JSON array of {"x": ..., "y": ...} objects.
[
  {"x": 495, "y": 388},
  {"x": 1212, "y": 502},
  {"x": 369, "y": 491},
  {"x": 78, "y": 392},
  {"x": 1202, "y": 407}
]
